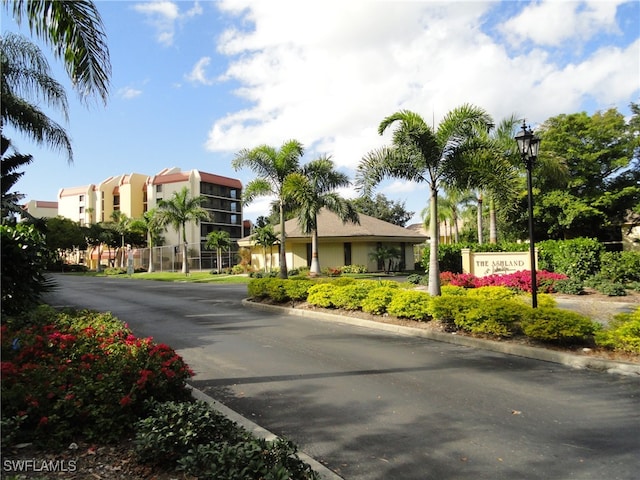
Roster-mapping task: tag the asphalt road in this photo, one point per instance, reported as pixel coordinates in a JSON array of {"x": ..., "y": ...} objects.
[{"x": 377, "y": 405}]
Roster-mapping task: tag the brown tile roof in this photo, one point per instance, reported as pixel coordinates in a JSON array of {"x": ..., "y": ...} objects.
[
  {"x": 220, "y": 180},
  {"x": 370, "y": 229}
]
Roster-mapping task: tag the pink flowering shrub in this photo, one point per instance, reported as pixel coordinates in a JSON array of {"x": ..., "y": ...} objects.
[
  {"x": 516, "y": 281},
  {"x": 82, "y": 373}
]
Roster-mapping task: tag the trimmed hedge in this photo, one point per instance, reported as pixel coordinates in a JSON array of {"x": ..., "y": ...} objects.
[
  {"x": 559, "y": 326},
  {"x": 622, "y": 334}
]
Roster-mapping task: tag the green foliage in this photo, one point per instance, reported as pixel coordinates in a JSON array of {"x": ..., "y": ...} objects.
[
  {"x": 276, "y": 290},
  {"x": 578, "y": 258},
  {"x": 258, "y": 287},
  {"x": 622, "y": 333},
  {"x": 174, "y": 428},
  {"x": 448, "y": 290},
  {"x": 412, "y": 304},
  {"x": 297, "y": 290},
  {"x": 498, "y": 317},
  {"x": 321, "y": 295},
  {"x": 447, "y": 308},
  {"x": 621, "y": 267},
  {"x": 82, "y": 373},
  {"x": 354, "y": 269},
  {"x": 491, "y": 293},
  {"x": 570, "y": 286},
  {"x": 378, "y": 298},
  {"x": 417, "y": 279},
  {"x": 559, "y": 326},
  {"x": 611, "y": 289},
  {"x": 24, "y": 259},
  {"x": 255, "y": 459},
  {"x": 350, "y": 297},
  {"x": 114, "y": 271}
]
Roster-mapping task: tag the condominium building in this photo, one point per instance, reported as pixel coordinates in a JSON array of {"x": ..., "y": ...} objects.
[{"x": 135, "y": 193}]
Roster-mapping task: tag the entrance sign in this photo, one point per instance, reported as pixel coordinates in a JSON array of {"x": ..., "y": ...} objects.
[{"x": 481, "y": 264}]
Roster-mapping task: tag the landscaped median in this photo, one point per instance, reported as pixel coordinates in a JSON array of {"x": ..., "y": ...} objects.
[{"x": 495, "y": 317}]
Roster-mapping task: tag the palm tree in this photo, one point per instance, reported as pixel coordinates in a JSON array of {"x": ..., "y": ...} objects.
[
  {"x": 219, "y": 241},
  {"x": 385, "y": 255},
  {"x": 26, "y": 82},
  {"x": 75, "y": 32},
  {"x": 422, "y": 154},
  {"x": 265, "y": 237},
  {"x": 178, "y": 211},
  {"x": 313, "y": 189},
  {"x": 10, "y": 162},
  {"x": 120, "y": 223},
  {"x": 273, "y": 166},
  {"x": 149, "y": 225}
]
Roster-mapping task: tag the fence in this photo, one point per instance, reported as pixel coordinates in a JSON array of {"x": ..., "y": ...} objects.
[{"x": 168, "y": 258}]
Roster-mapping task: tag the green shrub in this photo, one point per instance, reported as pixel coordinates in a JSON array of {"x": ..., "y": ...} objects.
[
  {"x": 491, "y": 293},
  {"x": 449, "y": 290},
  {"x": 276, "y": 290},
  {"x": 570, "y": 286},
  {"x": 354, "y": 269},
  {"x": 578, "y": 258},
  {"x": 378, "y": 298},
  {"x": 257, "y": 287},
  {"x": 621, "y": 267},
  {"x": 24, "y": 259},
  {"x": 559, "y": 326},
  {"x": 174, "y": 428},
  {"x": 448, "y": 308},
  {"x": 297, "y": 290},
  {"x": 415, "y": 278},
  {"x": 255, "y": 459},
  {"x": 611, "y": 289},
  {"x": 496, "y": 317},
  {"x": 622, "y": 333},
  {"x": 412, "y": 304},
  {"x": 114, "y": 271},
  {"x": 321, "y": 295},
  {"x": 350, "y": 297}
]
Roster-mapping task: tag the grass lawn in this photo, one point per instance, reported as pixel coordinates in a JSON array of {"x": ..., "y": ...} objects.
[{"x": 192, "y": 277}]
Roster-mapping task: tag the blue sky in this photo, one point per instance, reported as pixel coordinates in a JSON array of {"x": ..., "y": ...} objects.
[{"x": 195, "y": 82}]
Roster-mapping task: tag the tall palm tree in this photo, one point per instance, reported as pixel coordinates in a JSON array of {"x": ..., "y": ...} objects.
[
  {"x": 273, "y": 166},
  {"x": 180, "y": 209},
  {"x": 120, "y": 223},
  {"x": 75, "y": 32},
  {"x": 312, "y": 189},
  {"x": 26, "y": 82},
  {"x": 421, "y": 154},
  {"x": 10, "y": 161},
  {"x": 219, "y": 241}
]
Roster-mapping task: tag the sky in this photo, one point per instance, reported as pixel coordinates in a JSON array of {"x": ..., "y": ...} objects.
[{"x": 195, "y": 82}]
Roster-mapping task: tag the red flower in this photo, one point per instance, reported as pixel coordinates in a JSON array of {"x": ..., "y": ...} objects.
[
  {"x": 126, "y": 400},
  {"x": 43, "y": 421}
]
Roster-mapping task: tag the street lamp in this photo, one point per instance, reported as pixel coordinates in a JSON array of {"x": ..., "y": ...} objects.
[{"x": 528, "y": 145}]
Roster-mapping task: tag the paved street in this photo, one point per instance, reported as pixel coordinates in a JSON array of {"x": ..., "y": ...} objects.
[{"x": 376, "y": 405}]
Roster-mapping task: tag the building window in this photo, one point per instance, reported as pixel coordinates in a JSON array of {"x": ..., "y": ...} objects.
[
  {"x": 233, "y": 193},
  {"x": 347, "y": 253},
  {"x": 81, "y": 198},
  {"x": 234, "y": 219},
  {"x": 81, "y": 210},
  {"x": 158, "y": 188},
  {"x": 234, "y": 207}
]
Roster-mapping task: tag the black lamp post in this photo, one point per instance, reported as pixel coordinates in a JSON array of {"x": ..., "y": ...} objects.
[{"x": 528, "y": 145}]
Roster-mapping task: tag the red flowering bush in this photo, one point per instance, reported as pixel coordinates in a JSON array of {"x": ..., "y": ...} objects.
[
  {"x": 81, "y": 373},
  {"x": 517, "y": 281}
]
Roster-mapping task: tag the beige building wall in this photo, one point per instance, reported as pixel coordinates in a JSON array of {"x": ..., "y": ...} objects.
[
  {"x": 78, "y": 204},
  {"x": 41, "y": 209}
]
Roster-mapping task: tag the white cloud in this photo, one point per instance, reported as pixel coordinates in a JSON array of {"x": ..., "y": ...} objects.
[
  {"x": 129, "y": 92},
  {"x": 327, "y": 73},
  {"x": 163, "y": 15},
  {"x": 553, "y": 22},
  {"x": 198, "y": 74}
]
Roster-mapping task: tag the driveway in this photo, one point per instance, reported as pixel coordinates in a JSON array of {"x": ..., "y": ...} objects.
[{"x": 377, "y": 405}]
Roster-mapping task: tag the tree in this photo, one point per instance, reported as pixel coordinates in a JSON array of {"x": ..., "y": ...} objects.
[
  {"x": 273, "y": 166},
  {"x": 219, "y": 241},
  {"x": 75, "y": 32},
  {"x": 385, "y": 255},
  {"x": 265, "y": 237},
  {"x": 26, "y": 82},
  {"x": 421, "y": 154},
  {"x": 312, "y": 190},
  {"x": 383, "y": 209},
  {"x": 149, "y": 225},
  {"x": 601, "y": 154},
  {"x": 180, "y": 209},
  {"x": 64, "y": 235},
  {"x": 10, "y": 161},
  {"x": 120, "y": 222}
]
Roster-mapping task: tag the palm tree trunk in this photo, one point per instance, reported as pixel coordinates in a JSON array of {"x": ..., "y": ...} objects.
[
  {"x": 434, "y": 268},
  {"x": 493, "y": 224},
  {"x": 283, "y": 250},
  {"x": 185, "y": 264},
  {"x": 315, "y": 263},
  {"x": 480, "y": 219}
]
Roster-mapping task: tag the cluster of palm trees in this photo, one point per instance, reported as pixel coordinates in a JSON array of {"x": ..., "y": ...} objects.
[{"x": 301, "y": 189}]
